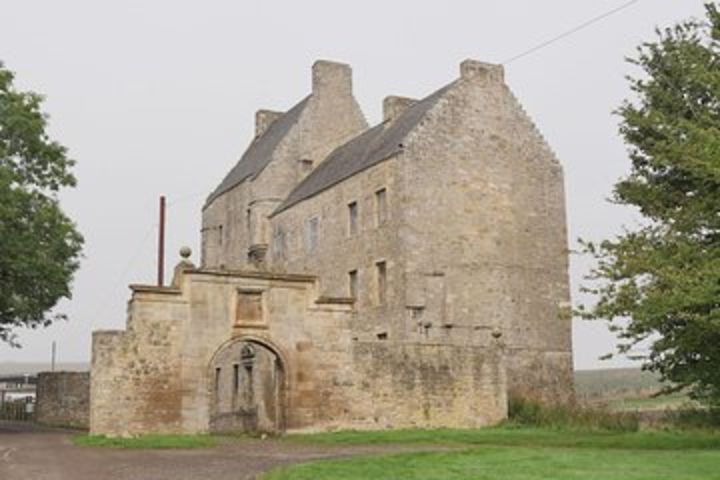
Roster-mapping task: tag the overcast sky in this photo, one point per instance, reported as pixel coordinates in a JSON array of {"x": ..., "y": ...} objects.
[{"x": 158, "y": 97}]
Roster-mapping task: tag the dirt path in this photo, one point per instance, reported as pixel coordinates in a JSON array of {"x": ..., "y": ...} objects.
[{"x": 32, "y": 453}]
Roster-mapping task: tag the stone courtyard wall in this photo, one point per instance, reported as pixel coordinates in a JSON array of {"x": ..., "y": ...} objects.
[
  {"x": 429, "y": 386},
  {"x": 159, "y": 375},
  {"x": 63, "y": 399},
  {"x": 135, "y": 382}
]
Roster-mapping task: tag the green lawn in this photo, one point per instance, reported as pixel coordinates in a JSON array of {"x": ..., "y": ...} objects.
[
  {"x": 516, "y": 463},
  {"x": 519, "y": 453},
  {"x": 146, "y": 441},
  {"x": 517, "y": 436}
]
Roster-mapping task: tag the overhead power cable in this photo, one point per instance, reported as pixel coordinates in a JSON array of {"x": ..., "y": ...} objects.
[{"x": 571, "y": 31}]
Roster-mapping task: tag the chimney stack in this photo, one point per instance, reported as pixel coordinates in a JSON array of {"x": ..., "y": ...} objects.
[
  {"x": 487, "y": 72},
  {"x": 331, "y": 78},
  {"x": 394, "y": 106},
  {"x": 263, "y": 119}
]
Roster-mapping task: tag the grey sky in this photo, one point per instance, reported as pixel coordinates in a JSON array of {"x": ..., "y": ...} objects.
[{"x": 158, "y": 97}]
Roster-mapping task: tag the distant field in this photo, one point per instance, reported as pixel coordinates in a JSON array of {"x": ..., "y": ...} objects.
[
  {"x": 615, "y": 381},
  {"x": 626, "y": 389},
  {"x": 20, "y": 368}
]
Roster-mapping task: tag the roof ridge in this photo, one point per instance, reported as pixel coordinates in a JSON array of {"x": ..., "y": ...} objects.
[
  {"x": 260, "y": 151},
  {"x": 374, "y": 145}
]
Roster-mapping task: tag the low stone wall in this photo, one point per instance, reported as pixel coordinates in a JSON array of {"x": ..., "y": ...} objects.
[{"x": 63, "y": 399}]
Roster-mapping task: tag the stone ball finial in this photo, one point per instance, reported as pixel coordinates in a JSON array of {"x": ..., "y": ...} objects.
[{"x": 185, "y": 253}]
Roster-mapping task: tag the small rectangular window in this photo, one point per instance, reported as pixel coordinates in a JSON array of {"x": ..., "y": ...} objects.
[
  {"x": 312, "y": 227},
  {"x": 279, "y": 244},
  {"x": 306, "y": 165},
  {"x": 352, "y": 218},
  {"x": 381, "y": 282},
  {"x": 220, "y": 235},
  {"x": 353, "y": 283},
  {"x": 217, "y": 379},
  {"x": 381, "y": 206},
  {"x": 236, "y": 377}
]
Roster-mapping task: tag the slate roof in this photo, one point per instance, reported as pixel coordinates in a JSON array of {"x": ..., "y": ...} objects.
[
  {"x": 260, "y": 151},
  {"x": 367, "y": 149}
]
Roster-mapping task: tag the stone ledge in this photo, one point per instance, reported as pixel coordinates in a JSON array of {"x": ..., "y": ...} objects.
[
  {"x": 290, "y": 277},
  {"x": 136, "y": 288},
  {"x": 337, "y": 300}
]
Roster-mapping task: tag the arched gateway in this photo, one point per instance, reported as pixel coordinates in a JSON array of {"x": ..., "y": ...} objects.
[{"x": 247, "y": 389}]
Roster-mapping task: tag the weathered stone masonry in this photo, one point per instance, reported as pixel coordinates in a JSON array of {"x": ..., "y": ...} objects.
[
  {"x": 63, "y": 399},
  {"x": 408, "y": 274}
]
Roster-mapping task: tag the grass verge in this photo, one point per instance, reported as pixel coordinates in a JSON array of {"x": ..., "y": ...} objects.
[{"x": 146, "y": 441}]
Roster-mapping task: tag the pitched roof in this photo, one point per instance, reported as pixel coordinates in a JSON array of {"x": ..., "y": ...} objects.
[
  {"x": 367, "y": 149},
  {"x": 260, "y": 152}
]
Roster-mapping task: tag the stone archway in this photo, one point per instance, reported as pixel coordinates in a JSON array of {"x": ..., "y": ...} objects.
[{"x": 247, "y": 389}]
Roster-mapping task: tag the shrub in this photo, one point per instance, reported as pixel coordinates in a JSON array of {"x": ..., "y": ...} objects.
[
  {"x": 524, "y": 411},
  {"x": 694, "y": 418}
]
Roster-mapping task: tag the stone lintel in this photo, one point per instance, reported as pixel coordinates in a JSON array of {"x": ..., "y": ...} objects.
[{"x": 287, "y": 277}]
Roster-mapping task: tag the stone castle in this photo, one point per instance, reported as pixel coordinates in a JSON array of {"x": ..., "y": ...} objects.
[{"x": 409, "y": 274}]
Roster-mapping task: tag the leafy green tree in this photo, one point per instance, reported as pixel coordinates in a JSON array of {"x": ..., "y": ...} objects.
[
  {"x": 659, "y": 284},
  {"x": 39, "y": 246}
]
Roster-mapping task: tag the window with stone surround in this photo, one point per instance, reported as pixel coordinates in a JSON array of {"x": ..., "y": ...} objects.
[
  {"x": 312, "y": 233},
  {"x": 381, "y": 206},
  {"x": 352, "y": 218},
  {"x": 381, "y": 268},
  {"x": 353, "y": 283}
]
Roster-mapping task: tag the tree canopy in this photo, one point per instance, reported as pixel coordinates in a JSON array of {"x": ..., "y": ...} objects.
[
  {"x": 40, "y": 247},
  {"x": 659, "y": 284}
]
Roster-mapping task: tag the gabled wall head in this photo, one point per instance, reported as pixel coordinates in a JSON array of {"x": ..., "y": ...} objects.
[
  {"x": 265, "y": 118},
  {"x": 331, "y": 78}
]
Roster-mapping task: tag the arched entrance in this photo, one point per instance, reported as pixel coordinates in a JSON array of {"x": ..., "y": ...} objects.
[{"x": 247, "y": 389}]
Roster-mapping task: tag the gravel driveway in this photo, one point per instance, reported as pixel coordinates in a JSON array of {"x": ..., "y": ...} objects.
[{"x": 32, "y": 453}]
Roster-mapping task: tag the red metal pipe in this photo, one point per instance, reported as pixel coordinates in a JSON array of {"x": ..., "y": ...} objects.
[{"x": 161, "y": 244}]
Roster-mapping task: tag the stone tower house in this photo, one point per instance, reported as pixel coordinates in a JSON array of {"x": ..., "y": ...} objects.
[{"x": 408, "y": 274}]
